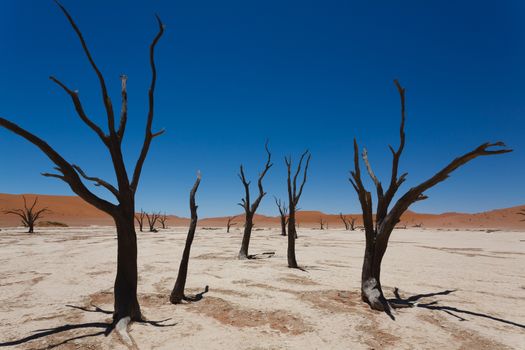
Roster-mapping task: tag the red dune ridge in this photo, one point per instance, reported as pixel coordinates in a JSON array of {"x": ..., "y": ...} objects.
[{"x": 73, "y": 211}]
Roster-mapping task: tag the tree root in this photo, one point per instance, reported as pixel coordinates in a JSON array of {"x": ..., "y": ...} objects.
[
  {"x": 189, "y": 299},
  {"x": 121, "y": 328}
]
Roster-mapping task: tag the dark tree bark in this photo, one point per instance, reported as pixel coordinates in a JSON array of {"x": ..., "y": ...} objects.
[
  {"x": 294, "y": 194},
  {"x": 349, "y": 223},
  {"x": 377, "y": 233},
  {"x": 345, "y": 221},
  {"x": 29, "y": 216},
  {"x": 322, "y": 223},
  {"x": 163, "y": 219},
  {"x": 140, "y": 219},
  {"x": 283, "y": 215},
  {"x": 152, "y": 220},
  {"x": 125, "y": 292},
  {"x": 177, "y": 294},
  {"x": 230, "y": 223},
  {"x": 251, "y": 208}
]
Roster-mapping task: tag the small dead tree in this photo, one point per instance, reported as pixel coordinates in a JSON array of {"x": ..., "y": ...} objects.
[
  {"x": 294, "y": 194},
  {"x": 230, "y": 223},
  {"x": 283, "y": 215},
  {"x": 28, "y": 215},
  {"x": 321, "y": 223},
  {"x": 251, "y": 208},
  {"x": 349, "y": 223},
  {"x": 125, "y": 289},
  {"x": 163, "y": 219},
  {"x": 152, "y": 220},
  {"x": 345, "y": 221},
  {"x": 140, "y": 219},
  {"x": 377, "y": 236},
  {"x": 177, "y": 294},
  {"x": 352, "y": 224}
]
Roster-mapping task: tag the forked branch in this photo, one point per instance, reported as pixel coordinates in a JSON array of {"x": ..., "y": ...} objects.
[{"x": 149, "y": 135}]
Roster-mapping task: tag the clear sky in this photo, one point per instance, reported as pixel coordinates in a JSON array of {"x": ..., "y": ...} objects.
[{"x": 304, "y": 74}]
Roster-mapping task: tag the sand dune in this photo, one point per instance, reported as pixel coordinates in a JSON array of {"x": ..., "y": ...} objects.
[{"x": 73, "y": 211}]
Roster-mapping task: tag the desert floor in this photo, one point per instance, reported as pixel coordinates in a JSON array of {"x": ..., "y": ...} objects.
[{"x": 262, "y": 304}]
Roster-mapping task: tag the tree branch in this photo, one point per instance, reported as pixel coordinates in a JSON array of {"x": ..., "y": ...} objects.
[
  {"x": 98, "y": 181},
  {"x": 105, "y": 98},
  {"x": 69, "y": 174},
  {"x": 124, "y": 108},
  {"x": 80, "y": 109},
  {"x": 148, "y": 134},
  {"x": 416, "y": 193}
]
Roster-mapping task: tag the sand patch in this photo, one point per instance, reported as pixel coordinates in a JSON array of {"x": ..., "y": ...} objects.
[
  {"x": 234, "y": 315},
  {"x": 296, "y": 280}
]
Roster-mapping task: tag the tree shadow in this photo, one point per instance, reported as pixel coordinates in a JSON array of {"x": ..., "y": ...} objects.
[
  {"x": 41, "y": 333},
  {"x": 412, "y": 301},
  {"x": 264, "y": 255},
  {"x": 196, "y": 297},
  {"x": 106, "y": 326}
]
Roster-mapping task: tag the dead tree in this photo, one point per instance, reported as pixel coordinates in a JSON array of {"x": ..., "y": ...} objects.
[
  {"x": 230, "y": 223},
  {"x": 349, "y": 223},
  {"x": 283, "y": 215},
  {"x": 177, "y": 294},
  {"x": 152, "y": 220},
  {"x": 377, "y": 234},
  {"x": 352, "y": 224},
  {"x": 294, "y": 194},
  {"x": 163, "y": 219},
  {"x": 321, "y": 223},
  {"x": 28, "y": 215},
  {"x": 345, "y": 221},
  {"x": 251, "y": 208},
  {"x": 125, "y": 290},
  {"x": 140, "y": 219}
]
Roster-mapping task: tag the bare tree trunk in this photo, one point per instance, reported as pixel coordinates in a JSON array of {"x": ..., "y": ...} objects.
[
  {"x": 248, "y": 225},
  {"x": 371, "y": 291},
  {"x": 177, "y": 294},
  {"x": 292, "y": 234},
  {"x": 126, "y": 303},
  {"x": 283, "y": 226}
]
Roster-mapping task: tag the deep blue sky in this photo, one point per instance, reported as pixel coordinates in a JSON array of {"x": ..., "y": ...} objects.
[{"x": 305, "y": 74}]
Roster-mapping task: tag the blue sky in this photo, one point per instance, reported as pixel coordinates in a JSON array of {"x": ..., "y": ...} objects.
[{"x": 304, "y": 74}]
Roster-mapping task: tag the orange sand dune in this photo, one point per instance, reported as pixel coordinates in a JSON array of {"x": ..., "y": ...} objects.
[{"x": 73, "y": 211}]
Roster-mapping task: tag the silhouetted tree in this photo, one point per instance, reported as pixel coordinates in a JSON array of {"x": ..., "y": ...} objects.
[
  {"x": 140, "y": 219},
  {"x": 251, "y": 208},
  {"x": 377, "y": 236},
  {"x": 283, "y": 215},
  {"x": 125, "y": 292},
  {"x": 163, "y": 219},
  {"x": 177, "y": 294},
  {"x": 321, "y": 223},
  {"x": 152, "y": 220},
  {"x": 230, "y": 223},
  {"x": 294, "y": 194},
  {"x": 28, "y": 215},
  {"x": 349, "y": 223}
]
